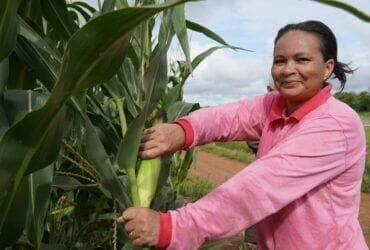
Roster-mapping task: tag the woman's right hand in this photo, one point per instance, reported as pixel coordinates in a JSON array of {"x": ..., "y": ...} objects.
[{"x": 160, "y": 140}]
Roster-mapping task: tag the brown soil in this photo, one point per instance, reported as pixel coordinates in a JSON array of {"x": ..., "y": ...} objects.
[{"x": 218, "y": 169}]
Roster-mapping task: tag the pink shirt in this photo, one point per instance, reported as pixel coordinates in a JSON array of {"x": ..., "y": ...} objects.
[{"x": 302, "y": 191}]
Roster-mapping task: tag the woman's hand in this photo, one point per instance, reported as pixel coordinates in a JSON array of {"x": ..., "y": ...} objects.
[
  {"x": 142, "y": 225},
  {"x": 160, "y": 140}
]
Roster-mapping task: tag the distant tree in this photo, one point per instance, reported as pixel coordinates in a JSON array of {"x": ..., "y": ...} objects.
[
  {"x": 350, "y": 98},
  {"x": 364, "y": 101}
]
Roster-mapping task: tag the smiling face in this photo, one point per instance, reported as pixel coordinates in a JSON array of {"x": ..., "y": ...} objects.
[{"x": 298, "y": 68}]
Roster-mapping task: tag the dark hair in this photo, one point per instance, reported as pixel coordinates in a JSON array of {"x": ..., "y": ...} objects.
[{"x": 328, "y": 45}]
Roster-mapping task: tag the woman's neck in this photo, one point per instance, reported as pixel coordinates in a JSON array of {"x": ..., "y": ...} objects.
[{"x": 292, "y": 106}]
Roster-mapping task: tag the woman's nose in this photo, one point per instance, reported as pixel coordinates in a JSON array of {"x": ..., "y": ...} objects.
[{"x": 289, "y": 68}]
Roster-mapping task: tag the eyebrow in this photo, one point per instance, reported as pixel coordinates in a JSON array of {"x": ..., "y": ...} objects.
[{"x": 295, "y": 55}]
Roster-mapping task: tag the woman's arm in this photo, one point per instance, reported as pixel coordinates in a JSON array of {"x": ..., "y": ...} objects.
[
  {"x": 242, "y": 120},
  {"x": 290, "y": 170}
]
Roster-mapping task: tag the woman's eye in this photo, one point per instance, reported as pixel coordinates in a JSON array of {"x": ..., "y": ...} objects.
[
  {"x": 303, "y": 59},
  {"x": 278, "y": 61}
]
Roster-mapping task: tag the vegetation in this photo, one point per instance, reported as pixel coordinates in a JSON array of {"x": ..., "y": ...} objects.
[
  {"x": 359, "y": 102},
  {"x": 346, "y": 7},
  {"x": 195, "y": 188},
  {"x": 238, "y": 151},
  {"x": 366, "y": 180},
  {"x": 77, "y": 88},
  {"x": 365, "y": 116}
]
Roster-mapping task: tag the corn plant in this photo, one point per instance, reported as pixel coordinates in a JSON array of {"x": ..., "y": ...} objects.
[{"x": 77, "y": 88}]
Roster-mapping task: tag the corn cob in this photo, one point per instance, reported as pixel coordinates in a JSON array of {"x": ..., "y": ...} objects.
[{"x": 147, "y": 179}]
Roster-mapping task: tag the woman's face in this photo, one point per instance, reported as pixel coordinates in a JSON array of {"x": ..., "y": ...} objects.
[{"x": 298, "y": 68}]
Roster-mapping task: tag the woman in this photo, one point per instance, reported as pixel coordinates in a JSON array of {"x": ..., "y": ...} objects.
[{"x": 303, "y": 190}]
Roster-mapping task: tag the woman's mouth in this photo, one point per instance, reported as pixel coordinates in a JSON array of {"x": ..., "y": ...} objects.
[{"x": 289, "y": 84}]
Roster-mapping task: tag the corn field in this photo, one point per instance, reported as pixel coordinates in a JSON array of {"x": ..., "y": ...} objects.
[{"x": 78, "y": 86}]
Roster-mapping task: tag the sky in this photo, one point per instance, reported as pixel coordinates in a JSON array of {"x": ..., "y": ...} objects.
[{"x": 230, "y": 75}]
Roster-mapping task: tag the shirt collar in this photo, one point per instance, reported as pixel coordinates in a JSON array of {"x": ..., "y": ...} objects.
[{"x": 277, "y": 110}]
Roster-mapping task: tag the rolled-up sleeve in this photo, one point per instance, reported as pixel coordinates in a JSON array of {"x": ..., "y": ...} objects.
[{"x": 307, "y": 158}]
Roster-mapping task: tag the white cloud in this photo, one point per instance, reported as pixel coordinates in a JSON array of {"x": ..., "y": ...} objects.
[
  {"x": 227, "y": 76},
  {"x": 253, "y": 24}
]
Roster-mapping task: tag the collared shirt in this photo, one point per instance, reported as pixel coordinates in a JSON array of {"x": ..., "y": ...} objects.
[{"x": 302, "y": 191}]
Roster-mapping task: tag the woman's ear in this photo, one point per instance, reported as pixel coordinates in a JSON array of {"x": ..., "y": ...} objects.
[{"x": 329, "y": 68}]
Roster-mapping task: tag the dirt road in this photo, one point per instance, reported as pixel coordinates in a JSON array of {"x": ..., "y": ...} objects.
[{"x": 217, "y": 169}]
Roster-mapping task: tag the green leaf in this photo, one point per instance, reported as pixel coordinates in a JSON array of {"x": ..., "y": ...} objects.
[
  {"x": 129, "y": 149},
  {"x": 96, "y": 61},
  {"x": 122, "y": 4},
  {"x": 80, "y": 10},
  {"x": 180, "y": 109},
  {"x": 66, "y": 183},
  {"x": 155, "y": 83},
  {"x": 39, "y": 54},
  {"x": 179, "y": 25},
  {"x": 108, "y": 5},
  {"x": 173, "y": 95},
  {"x": 4, "y": 74},
  {"x": 198, "y": 59},
  {"x": 209, "y": 33},
  {"x": 96, "y": 155},
  {"x": 160, "y": 78},
  {"x": 93, "y": 54},
  {"x": 185, "y": 165},
  {"x": 39, "y": 194},
  {"x": 17, "y": 102},
  {"x": 346, "y": 7},
  {"x": 20, "y": 76},
  {"x": 8, "y": 26},
  {"x": 22, "y": 151},
  {"x": 32, "y": 10},
  {"x": 55, "y": 11},
  {"x": 162, "y": 180},
  {"x": 85, "y": 5},
  {"x": 97, "y": 110},
  {"x": 16, "y": 219},
  {"x": 4, "y": 124},
  {"x": 42, "y": 65}
]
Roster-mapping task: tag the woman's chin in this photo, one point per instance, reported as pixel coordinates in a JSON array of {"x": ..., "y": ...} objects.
[{"x": 290, "y": 93}]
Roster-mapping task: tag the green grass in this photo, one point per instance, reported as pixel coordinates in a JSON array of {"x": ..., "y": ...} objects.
[
  {"x": 366, "y": 179},
  {"x": 365, "y": 116},
  {"x": 238, "y": 151},
  {"x": 193, "y": 187}
]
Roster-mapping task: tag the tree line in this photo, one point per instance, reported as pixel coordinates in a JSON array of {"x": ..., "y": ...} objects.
[{"x": 359, "y": 102}]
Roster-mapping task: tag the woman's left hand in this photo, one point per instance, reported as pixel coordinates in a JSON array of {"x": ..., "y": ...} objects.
[{"x": 142, "y": 225}]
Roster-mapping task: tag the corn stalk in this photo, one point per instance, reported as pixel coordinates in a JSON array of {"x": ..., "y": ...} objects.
[{"x": 93, "y": 89}]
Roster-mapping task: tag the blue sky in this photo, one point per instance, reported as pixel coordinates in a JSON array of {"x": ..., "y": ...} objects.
[{"x": 252, "y": 24}]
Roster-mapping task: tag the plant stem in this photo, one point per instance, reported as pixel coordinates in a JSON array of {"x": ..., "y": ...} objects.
[{"x": 115, "y": 228}]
